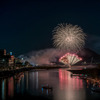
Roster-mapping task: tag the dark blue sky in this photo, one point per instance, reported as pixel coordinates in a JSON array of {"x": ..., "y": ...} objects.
[{"x": 27, "y": 25}]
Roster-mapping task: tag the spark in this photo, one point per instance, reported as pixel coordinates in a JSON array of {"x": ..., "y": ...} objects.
[
  {"x": 69, "y": 37},
  {"x": 70, "y": 59}
]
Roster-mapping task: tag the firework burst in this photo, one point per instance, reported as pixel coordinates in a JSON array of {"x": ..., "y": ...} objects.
[
  {"x": 68, "y": 37},
  {"x": 70, "y": 59}
]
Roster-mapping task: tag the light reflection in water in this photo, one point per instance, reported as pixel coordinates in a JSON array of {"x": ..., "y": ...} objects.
[
  {"x": 3, "y": 96},
  {"x": 17, "y": 86},
  {"x": 66, "y": 81},
  {"x": 10, "y": 87},
  {"x": 3, "y": 90},
  {"x": 33, "y": 82},
  {"x": 36, "y": 80},
  {"x": 22, "y": 85},
  {"x": 70, "y": 88},
  {"x": 64, "y": 87},
  {"x": 26, "y": 80}
]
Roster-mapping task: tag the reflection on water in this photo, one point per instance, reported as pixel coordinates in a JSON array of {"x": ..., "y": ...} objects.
[
  {"x": 3, "y": 89},
  {"x": 67, "y": 82},
  {"x": 10, "y": 87},
  {"x": 70, "y": 88},
  {"x": 57, "y": 84}
]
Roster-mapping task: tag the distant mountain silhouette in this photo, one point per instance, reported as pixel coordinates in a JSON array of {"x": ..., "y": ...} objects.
[
  {"x": 86, "y": 52},
  {"x": 88, "y": 55}
]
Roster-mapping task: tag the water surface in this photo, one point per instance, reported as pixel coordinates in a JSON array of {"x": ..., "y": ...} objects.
[{"x": 29, "y": 85}]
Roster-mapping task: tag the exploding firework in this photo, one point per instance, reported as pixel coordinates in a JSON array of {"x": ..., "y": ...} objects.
[
  {"x": 70, "y": 59},
  {"x": 68, "y": 37}
]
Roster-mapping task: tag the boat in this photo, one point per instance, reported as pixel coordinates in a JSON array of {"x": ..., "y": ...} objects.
[
  {"x": 74, "y": 75},
  {"x": 47, "y": 87}
]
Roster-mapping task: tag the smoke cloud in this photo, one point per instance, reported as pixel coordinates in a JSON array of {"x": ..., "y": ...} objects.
[{"x": 46, "y": 56}]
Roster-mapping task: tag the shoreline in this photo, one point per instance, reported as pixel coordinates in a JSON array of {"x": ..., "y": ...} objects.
[{"x": 9, "y": 73}]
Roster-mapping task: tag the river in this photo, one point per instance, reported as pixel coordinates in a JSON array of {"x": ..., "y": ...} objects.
[{"x": 29, "y": 85}]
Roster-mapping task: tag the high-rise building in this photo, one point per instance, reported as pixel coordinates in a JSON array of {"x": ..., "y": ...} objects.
[{"x": 6, "y": 59}]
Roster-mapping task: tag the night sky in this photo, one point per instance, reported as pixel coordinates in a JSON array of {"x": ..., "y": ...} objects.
[{"x": 27, "y": 25}]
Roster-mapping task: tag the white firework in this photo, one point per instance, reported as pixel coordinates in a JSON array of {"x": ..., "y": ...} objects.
[{"x": 68, "y": 37}]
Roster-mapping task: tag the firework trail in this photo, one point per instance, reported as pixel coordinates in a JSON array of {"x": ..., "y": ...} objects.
[{"x": 68, "y": 37}]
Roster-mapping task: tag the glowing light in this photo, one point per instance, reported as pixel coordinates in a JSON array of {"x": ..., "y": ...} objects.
[
  {"x": 69, "y": 37},
  {"x": 11, "y": 87},
  {"x": 70, "y": 59}
]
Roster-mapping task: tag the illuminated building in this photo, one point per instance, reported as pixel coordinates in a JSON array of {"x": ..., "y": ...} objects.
[{"x": 6, "y": 59}]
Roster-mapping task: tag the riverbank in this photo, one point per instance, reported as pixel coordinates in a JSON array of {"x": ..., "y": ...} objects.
[
  {"x": 8, "y": 73},
  {"x": 74, "y": 69},
  {"x": 84, "y": 71}
]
